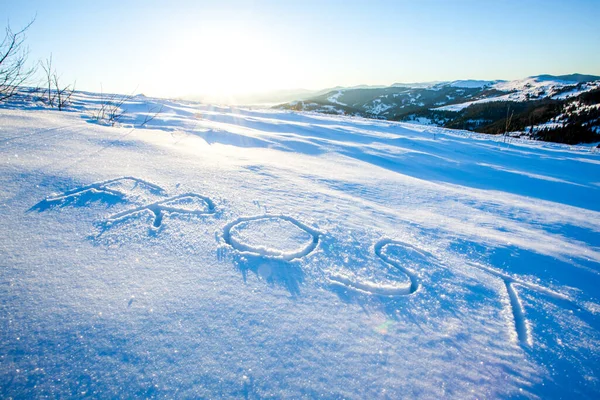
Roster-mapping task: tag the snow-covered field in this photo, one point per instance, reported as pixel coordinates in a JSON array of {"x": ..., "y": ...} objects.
[
  {"x": 245, "y": 253},
  {"x": 535, "y": 87}
]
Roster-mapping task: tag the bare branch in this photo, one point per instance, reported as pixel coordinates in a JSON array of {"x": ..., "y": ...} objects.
[
  {"x": 13, "y": 58},
  {"x": 47, "y": 67},
  {"x": 111, "y": 108},
  {"x": 63, "y": 94},
  {"x": 58, "y": 95},
  {"x": 152, "y": 113}
]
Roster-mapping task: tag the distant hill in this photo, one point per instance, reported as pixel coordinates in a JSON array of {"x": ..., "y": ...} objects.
[
  {"x": 579, "y": 78},
  {"x": 261, "y": 98},
  {"x": 563, "y": 108}
]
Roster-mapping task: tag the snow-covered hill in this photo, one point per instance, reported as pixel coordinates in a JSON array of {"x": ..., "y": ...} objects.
[
  {"x": 242, "y": 253},
  {"x": 537, "y": 87},
  {"x": 472, "y": 104}
]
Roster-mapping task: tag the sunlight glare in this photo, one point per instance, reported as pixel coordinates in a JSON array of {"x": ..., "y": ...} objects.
[{"x": 222, "y": 62}]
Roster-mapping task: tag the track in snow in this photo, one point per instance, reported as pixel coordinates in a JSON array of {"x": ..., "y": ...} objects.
[
  {"x": 111, "y": 191},
  {"x": 279, "y": 238},
  {"x": 300, "y": 239},
  {"x": 187, "y": 203},
  {"x": 521, "y": 324},
  {"x": 413, "y": 257}
]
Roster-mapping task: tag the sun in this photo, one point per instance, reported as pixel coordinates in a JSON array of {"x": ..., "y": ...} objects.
[{"x": 225, "y": 62}]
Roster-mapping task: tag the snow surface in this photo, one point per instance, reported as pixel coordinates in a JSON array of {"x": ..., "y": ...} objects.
[
  {"x": 462, "y": 106},
  {"x": 378, "y": 107},
  {"x": 471, "y": 83},
  {"x": 526, "y": 89},
  {"x": 585, "y": 87},
  {"x": 334, "y": 98},
  {"x": 240, "y": 253},
  {"x": 534, "y": 85},
  {"x": 574, "y": 108},
  {"x": 422, "y": 121}
]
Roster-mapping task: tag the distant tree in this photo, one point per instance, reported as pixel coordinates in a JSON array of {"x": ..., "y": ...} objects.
[
  {"x": 13, "y": 58},
  {"x": 569, "y": 134},
  {"x": 508, "y": 121}
]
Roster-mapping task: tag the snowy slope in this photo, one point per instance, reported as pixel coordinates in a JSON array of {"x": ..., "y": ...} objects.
[
  {"x": 543, "y": 99},
  {"x": 534, "y": 87},
  {"x": 472, "y": 83},
  {"x": 334, "y": 98},
  {"x": 243, "y": 253}
]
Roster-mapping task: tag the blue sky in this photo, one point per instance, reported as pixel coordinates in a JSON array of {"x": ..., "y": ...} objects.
[{"x": 174, "y": 48}]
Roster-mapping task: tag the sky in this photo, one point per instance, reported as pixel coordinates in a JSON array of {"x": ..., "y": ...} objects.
[{"x": 230, "y": 48}]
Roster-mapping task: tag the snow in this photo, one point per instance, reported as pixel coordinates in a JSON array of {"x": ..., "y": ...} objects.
[
  {"x": 245, "y": 253},
  {"x": 462, "y": 106},
  {"x": 419, "y": 85},
  {"x": 271, "y": 236},
  {"x": 573, "y": 108},
  {"x": 334, "y": 98},
  {"x": 586, "y": 87},
  {"x": 378, "y": 107},
  {"x": 471, "y": 83},
  {"x": 329, "y": 109},
  {"x": 526, "y": 89},
  {"x": 553, "y": 124},
  {"x": 422, "y": 121},
  {"x": 537, "y": 87}
]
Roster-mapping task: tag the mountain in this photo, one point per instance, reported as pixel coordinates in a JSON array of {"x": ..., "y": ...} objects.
[
  {"x": 563, "y": 108},
  {"x": 261, "y": 98}
]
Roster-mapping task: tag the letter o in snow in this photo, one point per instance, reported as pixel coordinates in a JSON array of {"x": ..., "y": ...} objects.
[{"x": 271, "y": 236}]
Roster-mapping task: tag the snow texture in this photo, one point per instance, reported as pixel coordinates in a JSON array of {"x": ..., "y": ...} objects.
[
  {"x": 526, "y": 89},
  {"x": 221, "y": 252},
  {"x": 471, "y": 83},
  {"x": 334, "y": 98},
  {"x": 378, "y": 107}
]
